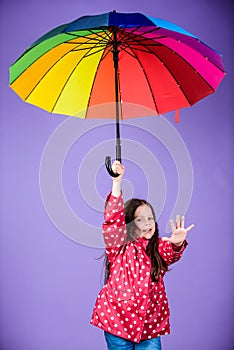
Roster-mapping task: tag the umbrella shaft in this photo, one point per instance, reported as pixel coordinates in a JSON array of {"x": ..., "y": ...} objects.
[
  {"x": 118, "y": 141},
  {"x": 116, "y": 60},
  {"x": 118, "y": 152}
]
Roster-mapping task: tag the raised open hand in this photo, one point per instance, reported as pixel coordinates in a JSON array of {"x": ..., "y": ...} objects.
[{"x": 179, "y": 232}]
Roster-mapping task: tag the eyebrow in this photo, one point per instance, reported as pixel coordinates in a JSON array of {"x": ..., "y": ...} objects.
[{"x": 141, "y": 216}]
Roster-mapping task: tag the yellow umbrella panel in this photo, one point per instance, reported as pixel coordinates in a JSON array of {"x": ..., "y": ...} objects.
[{"x": 60, "y": 79}]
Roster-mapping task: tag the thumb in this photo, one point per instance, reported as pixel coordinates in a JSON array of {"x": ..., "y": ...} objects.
[{"x": 190, "y": 228}]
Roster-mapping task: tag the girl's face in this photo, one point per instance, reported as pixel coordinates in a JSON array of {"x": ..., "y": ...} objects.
[{"x": 144, "y": 221}]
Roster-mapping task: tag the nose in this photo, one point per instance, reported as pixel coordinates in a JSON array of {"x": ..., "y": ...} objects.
[{"x": 148, "y": 224}]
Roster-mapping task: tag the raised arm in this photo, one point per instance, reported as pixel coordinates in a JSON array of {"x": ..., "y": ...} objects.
[{"x": 114, "y": 227}]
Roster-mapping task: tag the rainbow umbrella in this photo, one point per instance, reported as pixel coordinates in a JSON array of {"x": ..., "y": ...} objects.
[{"x": 116, "y": 57}]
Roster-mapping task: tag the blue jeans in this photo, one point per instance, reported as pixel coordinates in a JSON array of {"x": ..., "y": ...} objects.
[{"x": 117, "y": 343}]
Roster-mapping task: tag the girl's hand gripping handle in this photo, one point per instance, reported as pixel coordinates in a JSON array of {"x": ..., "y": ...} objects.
[{"x": 117, "y": 168}]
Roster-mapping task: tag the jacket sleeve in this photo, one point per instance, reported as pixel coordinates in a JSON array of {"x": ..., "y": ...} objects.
[
  {"x": 169, "y": 252},
  {"x": 114, "y": 227}
]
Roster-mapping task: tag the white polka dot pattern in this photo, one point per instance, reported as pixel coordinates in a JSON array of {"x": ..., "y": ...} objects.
[{"x": 131, "y": 305}]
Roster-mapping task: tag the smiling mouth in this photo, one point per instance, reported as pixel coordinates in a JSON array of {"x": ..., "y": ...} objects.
[{"x": 148, "y": 230}]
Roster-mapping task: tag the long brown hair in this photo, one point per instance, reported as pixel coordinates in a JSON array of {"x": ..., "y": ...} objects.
[{"x": 157, "y": 263}]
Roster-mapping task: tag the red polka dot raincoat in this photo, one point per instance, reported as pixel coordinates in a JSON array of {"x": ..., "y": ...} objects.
[{"x": 131, "y": 305}]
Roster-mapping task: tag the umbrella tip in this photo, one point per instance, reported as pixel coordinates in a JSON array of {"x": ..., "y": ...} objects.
[
  {"x": 114, "y": 11},
  {"x": 177, "y": 116}
]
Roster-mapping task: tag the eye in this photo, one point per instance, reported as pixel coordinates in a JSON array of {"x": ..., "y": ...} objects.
[
  {"x": 151, "y": 219},
  {"x": 139, "y": 220}
]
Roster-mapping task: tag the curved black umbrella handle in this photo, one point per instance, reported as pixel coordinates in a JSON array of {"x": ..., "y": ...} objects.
[{"x": 109, "y": 168}]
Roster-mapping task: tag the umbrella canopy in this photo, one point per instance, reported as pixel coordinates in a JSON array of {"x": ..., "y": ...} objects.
[
  {"x": 160, "y": 66},
  {"x": 116, "y": 57}
]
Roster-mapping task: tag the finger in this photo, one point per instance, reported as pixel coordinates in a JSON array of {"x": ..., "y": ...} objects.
[
  {"x": 117, "y": 167},
  {"x": 182, "y": 221},
  {"x": 177, "y": 221},
  {"x": 120, "y": 168},
  {"x": 115, "y": 164},
  {"x": 190, "y": 228},
  {"x": 172, "y": 225}
]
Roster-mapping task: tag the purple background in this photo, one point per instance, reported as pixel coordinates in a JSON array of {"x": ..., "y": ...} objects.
[{"x": 49, "y": 282}]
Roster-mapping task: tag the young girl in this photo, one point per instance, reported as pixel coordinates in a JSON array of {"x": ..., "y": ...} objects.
[{"x": 132, "y": 307}]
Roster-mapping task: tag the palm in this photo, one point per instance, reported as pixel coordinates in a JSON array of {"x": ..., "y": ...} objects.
[{"x": 178, "y": 235}]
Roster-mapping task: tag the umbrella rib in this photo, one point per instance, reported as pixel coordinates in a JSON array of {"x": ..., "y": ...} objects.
[
  {"x": 138, "y": 37},
  {"x": 92, "y": 32},
  {"x": 106, "y": 31},
  {"x": 133, "y": 41},
  {"x": 88, "y": 54},
  {"x": 136, "y": 41},
  {"x": 88, "y": 46},
  {"x": 132, "y": 33},
  {"x": 107, "y": 51},
  {"x": 91, "y": 41}
]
